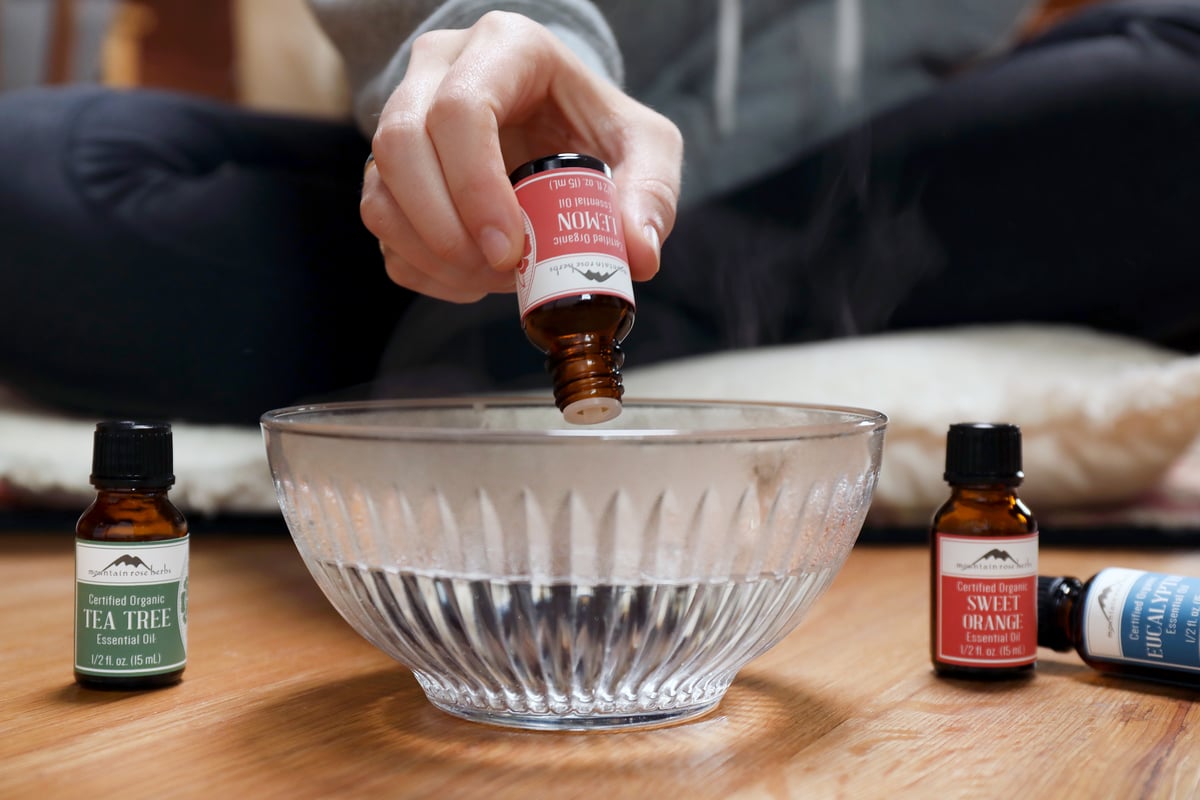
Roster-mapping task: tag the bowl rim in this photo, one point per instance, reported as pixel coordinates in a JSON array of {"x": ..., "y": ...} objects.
[{"x": 296, "y": 420}]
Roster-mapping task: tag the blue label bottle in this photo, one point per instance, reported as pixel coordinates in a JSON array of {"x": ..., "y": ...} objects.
[{"x": 1125, "y": 622}]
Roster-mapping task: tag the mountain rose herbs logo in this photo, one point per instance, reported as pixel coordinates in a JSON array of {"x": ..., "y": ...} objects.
[
  {"x": 996, "y": 560},
  {"x": 134, "y": 566}
]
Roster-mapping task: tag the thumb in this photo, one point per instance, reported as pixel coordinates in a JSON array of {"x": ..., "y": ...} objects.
[{"x": 649, "y": 196}]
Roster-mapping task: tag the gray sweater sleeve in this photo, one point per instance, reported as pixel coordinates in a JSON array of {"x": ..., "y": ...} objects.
[{"x": 375, "y": 38}]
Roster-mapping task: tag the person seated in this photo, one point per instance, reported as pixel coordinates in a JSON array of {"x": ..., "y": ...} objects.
[{"x": 787, "y": 172}]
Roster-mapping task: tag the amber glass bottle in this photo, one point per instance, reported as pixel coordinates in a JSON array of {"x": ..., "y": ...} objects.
[
  {"x": 1125, "y": 622},
  {"x": 983, "y": 548},
  {"x": 131, "y": 564},
  {"x": 573, "y": 285}
]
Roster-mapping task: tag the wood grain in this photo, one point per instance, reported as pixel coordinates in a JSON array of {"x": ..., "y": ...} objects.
[{"x": 281, "y": 698}]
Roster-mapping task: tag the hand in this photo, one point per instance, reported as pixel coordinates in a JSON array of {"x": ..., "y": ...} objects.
[{"x": 475, "y": 104}]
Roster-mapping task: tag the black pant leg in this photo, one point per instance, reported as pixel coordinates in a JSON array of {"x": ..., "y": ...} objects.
[
  {"x": 1068, "y": 185},
  {"x": 1058, "y": 183},
  {"x": 168, "y": 256}
]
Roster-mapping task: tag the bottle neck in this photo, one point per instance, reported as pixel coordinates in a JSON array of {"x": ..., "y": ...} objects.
[
  {"x": 126, "y": 491},
  {"x": 587, "y": 379},
  {"x": 984, "y": 492},
  {"x": 1057, "y": 597},
  {"x": 132, "y": 497}
]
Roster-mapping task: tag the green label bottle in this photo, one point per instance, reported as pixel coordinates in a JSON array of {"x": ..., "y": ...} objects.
[{"x": 131, "y": 564}]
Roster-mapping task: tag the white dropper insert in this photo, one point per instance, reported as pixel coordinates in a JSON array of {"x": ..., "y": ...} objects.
[{"x": 591, "y": 410}]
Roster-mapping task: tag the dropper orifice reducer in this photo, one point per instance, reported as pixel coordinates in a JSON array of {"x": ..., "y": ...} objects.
[{"x": 574, "y": 288}]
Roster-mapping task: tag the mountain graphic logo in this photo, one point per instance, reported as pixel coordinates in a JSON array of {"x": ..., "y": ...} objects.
[
  {"x": 127, "y": 561},
  {"x": 593, "y": 275},
  {"x": 997, "y": 554},
  {"x": 1104, "y": 600}
]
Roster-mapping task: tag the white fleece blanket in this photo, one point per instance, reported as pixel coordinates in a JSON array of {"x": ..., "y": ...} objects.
[
  {"x": 1107, "y": 421},
  {"x": 46, "y": 457}
]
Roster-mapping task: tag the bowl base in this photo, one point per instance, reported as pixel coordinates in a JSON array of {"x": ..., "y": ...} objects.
[{"x": 594, "y": 723}]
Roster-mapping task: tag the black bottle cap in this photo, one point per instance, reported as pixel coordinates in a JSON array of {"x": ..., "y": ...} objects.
[
  {"x": 127, "y": 454},
  {"x": 558, "y": 161},
  {"x": 983, "y": 452},
  {"x": 1049, "y": 633}
]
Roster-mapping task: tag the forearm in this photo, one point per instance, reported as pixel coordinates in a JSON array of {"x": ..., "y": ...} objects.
[{"x": 375, "y": 37}]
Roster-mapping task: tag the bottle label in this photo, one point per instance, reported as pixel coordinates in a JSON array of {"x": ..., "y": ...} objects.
[
  {"x": 574, "y": 240},
  {"x": 986, "y": 612},
  {"x": 130, "y": 607},
  {"x": 1151, "y": 618}
]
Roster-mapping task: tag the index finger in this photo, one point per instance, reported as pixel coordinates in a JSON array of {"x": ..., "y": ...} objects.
[{"x": 489, "y": 84}]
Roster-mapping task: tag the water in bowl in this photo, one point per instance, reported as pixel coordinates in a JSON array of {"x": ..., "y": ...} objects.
[{"x": 571, "y": 655}]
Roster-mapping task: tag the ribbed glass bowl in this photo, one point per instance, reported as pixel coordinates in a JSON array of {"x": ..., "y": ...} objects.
[{"x": 541, "y": 575}]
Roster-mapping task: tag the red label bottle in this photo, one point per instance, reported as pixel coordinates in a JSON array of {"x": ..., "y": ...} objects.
[
  {"x": 574, "y": 287},
  {"x": 983, "y": 552}
]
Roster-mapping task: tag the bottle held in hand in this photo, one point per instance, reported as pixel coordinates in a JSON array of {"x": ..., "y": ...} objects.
[{"x": 574, "y": 287}]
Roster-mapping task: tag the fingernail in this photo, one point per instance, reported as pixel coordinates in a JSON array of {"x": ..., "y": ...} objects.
[
  {"x": 495, "y": 247},
  {"x": 651, "y": 234}
]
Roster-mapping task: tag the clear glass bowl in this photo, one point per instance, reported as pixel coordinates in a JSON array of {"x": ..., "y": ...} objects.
[{"x": 541, "y": 575}]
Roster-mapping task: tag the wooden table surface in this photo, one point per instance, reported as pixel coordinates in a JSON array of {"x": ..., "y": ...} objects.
[{"x": 282, "y": 699}]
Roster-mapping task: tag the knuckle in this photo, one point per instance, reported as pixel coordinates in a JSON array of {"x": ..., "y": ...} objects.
[
  {"x": 431, "y": 43},
  {"x": 665, "y": 195},
  {"x": 454, "y": 104},
  {"x": 476, "y": 191},
  {"x": 670, "y": 134},
  {"x": 511, "y": 30},
  {"x": 497, "y": 21},
  {"x": 447, "y": 250},
  {"x": 397, "y": 132},
  {"x": 651, "y": 124},
  {"x": 398, "y": 272},
  {"x": 369, "y": 209}
]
